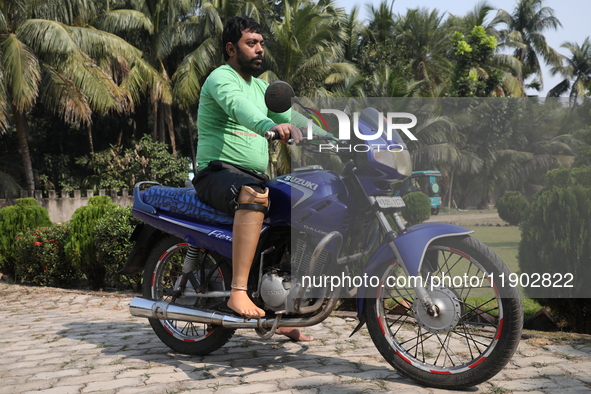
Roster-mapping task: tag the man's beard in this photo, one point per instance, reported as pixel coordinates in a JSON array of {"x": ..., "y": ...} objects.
[{"x": 248, "y": 65}]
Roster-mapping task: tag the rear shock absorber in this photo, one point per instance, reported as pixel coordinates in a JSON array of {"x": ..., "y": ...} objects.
[{"x": 190, "y": 266}]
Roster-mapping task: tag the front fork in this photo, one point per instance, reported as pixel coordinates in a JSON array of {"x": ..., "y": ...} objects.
[{"x": 421, "y": 291}]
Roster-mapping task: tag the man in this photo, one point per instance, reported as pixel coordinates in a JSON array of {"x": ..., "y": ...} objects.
[{"x": 232, "y": 152}]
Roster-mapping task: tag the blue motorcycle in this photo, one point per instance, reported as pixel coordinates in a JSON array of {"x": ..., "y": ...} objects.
[{"x": 427, "y": 293}]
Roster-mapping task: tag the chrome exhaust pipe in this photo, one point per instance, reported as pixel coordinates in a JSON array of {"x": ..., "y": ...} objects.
[{"x": 162, "y": 310}]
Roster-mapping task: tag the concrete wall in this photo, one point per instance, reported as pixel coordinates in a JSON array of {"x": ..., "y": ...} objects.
[{"x": 61, "y": 208}]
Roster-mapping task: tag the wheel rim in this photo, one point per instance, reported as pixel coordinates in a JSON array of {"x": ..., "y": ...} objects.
[
  {"x": 167, "y": 278},
  {"x": 475, "y": 315}
]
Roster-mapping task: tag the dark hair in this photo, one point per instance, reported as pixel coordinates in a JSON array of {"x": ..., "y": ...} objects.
[{"x": 234, "y": 28}]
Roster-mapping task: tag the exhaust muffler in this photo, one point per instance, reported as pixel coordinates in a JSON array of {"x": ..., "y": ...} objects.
[{"x": 162, "y": 310}]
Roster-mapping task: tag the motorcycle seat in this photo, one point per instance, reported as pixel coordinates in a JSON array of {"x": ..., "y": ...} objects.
[{"x": 183, "y": 202}]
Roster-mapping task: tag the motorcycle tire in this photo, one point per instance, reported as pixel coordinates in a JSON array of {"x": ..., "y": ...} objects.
[
  {"x": 478, "y": 327},
  {"x": 163, "y": 275}
]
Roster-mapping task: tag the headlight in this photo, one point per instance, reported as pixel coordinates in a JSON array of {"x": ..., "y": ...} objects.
[{"x": 397, "y": 159}]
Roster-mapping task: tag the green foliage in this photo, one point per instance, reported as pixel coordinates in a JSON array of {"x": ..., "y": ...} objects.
[
  {"x": 117, "y": 168},
  {"x": 26, "y": 214},
  {"x": 566, "y": 177},
  {"x": 584, "y": 153},
  {"x": 80, "y": 247},
  {"x": 40, "y": 258},
  {"x": 556, "y": 239},
  {"x": 112, "y": 233},
  {"x": 511, "y": 207},
  {"x": 473, "y": 75},
  {"x": 417, "y": 209}
]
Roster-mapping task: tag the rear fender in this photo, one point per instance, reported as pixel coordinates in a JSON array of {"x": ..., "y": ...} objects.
[
  {"x": 412, "y": 246},
  {"x": 144, "y": 237}
]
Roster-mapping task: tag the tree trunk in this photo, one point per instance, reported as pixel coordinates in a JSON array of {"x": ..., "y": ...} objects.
[
  {"x": 167, "y": 115},
  {"x": 449, "y": 195},
  {"x": 190, "y": 128},
  {"x": 90, "y": 142},
  {"x": 155, "y": 125},
  {"x": 22, "y": 129}
]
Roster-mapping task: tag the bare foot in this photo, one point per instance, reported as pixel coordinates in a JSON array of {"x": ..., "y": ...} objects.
[
  {"x": 241, "y": 304},
  {"x": 294, "y": 334}
]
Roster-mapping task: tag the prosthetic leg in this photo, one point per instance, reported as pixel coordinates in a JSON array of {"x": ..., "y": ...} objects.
[{"x": 248, "y": 220}]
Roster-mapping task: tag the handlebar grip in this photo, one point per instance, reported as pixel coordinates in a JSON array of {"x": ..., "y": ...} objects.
[{"x": 272, "y": 136}]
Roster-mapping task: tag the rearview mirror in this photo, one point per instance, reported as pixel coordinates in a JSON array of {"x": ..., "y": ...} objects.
[{"x": 278, "y": 96}]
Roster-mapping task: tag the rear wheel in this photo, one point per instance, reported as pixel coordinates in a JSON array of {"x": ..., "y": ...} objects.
[
  {"x": 476, "y": 331},
  {"x": 164, "y": 280}
]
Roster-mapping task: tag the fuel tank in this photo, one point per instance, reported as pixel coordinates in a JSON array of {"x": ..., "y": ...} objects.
[{"x": 314, "y": 201}]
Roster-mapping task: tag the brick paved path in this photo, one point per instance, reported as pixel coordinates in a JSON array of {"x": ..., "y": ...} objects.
[{"x": 61, "y": 341}]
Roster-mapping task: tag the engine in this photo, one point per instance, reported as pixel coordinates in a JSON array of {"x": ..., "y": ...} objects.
[
  {"x": 279, "y": 287},
  {"x": 275, "y": 288}
]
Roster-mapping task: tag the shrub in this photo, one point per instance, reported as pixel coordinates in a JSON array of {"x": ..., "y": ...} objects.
[
  {"x": 26, "y": 214},
  {"x": 417, "y": 209},
  {"x": 112, "y": 233},
  {"x": 118, "y": 168},
  {"x": 40, "y": 258},
  {"x": 80, "y": 247},
  {"x": 556, "y": 239},
  {"x": 511, "y": 207}
]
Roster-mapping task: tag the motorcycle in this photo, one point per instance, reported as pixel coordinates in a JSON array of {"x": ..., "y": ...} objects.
[{"x": 431, "y": 327}]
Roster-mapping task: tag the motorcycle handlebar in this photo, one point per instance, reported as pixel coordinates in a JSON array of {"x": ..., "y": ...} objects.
[{"x": 272, "y": 136}]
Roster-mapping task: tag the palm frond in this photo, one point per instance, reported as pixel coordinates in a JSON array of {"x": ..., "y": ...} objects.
[
  {"x": 4, "y": 103},
  {"x": 120, "y": 21},
  {"x": 192, "y": 70},
  {"x": 21, "y": 72},
  {"x": 61, "y": 96}
]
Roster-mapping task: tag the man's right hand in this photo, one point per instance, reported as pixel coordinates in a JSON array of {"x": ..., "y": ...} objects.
[{"x": 288, "y": 131}]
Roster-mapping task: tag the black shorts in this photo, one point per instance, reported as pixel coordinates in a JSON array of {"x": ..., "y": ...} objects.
[{"x": 219, "y": 184}]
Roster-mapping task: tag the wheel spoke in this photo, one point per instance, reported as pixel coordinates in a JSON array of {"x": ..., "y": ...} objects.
[{"x": 454, "y": 346}]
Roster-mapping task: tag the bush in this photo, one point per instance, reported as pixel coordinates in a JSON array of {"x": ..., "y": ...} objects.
[
  {"x": 417, "y": 209},
  {"x": 25, "y": 215},
  {"x": 117, "y": 168},
  {"x": 511, "y": 207},
  {"x": 40, "y": 258},
  {"x": 556, "y": 239},
  {"x": 80, "y": 247},
  {"x": 112, "y": 233}
]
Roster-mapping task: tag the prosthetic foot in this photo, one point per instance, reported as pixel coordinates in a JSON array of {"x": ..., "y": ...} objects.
[{"x": 248, "y": 221}]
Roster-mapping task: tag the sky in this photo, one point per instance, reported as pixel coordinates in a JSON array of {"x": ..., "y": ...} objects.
[{"x": 575, "y": 16}]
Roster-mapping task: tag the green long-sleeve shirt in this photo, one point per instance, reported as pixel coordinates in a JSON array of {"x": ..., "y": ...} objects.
[{"x": 232, "y": 119}]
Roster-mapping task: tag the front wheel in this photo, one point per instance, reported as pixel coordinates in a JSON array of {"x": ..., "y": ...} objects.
[
  {"x": 478, "y": 326},
  {"x": 164, "y": 280}
]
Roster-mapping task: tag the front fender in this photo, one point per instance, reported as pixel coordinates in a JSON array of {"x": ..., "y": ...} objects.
[{"x": 412, "y": 246}]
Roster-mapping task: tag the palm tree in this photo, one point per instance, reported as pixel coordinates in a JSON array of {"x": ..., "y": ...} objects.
[
  {"x": 353, "y": 33},
  {"x": 306, "y": 48},
  {"x": 157, "y": 28},
  {"x": 381, "y": 21},
  {"x": 524, "y": 32},
  {"x": 47, "y": 58},
  {"x": 576, "y": 71},
  {"x": 426, "y": 39}
]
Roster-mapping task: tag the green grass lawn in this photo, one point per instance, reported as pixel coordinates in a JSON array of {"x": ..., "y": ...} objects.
[{"x": 505, "y": 242}]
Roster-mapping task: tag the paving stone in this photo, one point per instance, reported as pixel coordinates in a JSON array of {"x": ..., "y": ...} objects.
[
  {"x": 280, "y": 374},
  {"x": 112, "y": 384},
  {"x": 309, "y": 381},
  {"x": 58, "y": 390},
  {"x": 90, "y": 344}
]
